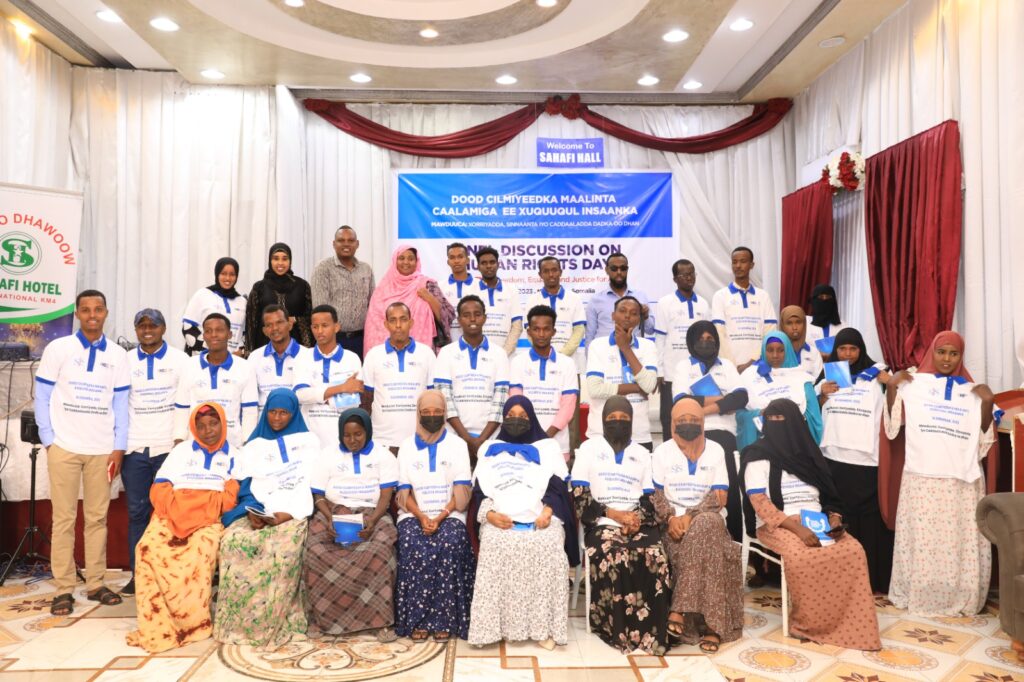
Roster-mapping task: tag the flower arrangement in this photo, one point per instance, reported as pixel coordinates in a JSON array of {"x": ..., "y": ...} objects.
[{"x": 845, "y": 172}]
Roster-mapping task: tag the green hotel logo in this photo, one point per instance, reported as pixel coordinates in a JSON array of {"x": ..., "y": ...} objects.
[{"x": 19, "y": 253}]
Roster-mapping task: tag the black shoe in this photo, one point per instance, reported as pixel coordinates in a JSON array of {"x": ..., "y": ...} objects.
[{"x": 129, "y": 589}]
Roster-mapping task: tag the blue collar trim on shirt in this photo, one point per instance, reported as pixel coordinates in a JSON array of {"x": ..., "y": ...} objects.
[
  {"x": 619, "y": 456},
  {"x": 704, "y": 368},
  {"x": 553, "y": 298},
  {"x": 290, "y": 352},
  {"x": 356, "y": 455},
  {"x": 490, "y": 291},
  {"x": 214, "y": 369},
  {"x": 870, "y": 374},
  {"x": 473, "y": 352},
  {"x": 282, "y": 449},
  {"x": 459, "y": 283},
  {"x": 400, "y": 352},
  {"x": 207, "y": 455},
  {"x": 150, "y": 358},
  {"x": 611, "y": 340},
  {"x": 764, "y": 369},
  {"x": 543, "y": 361},
  {"x": 688, "y": 301},
  {"x": 227, "y": 304},
  {"x": 525, "y": 450},
  {"x": 742, "y": 292},
  {"x": 691, "y": 465},
  {"x": 431, "y": 448},
  {"x": 339, "y": 352},
  {"x": 99, "y": 345},
  {"x": 950, "y": 380}
]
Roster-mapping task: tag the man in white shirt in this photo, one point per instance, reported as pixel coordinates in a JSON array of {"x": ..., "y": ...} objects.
[
  {"x": 81, "y": 407},
  {"x": 547, "y": 378},
  {"x": 472, "y": 374},
  {"x": 155, "y": 371},
  {"x": 394, "y": 375},
  {"x": 215, "y": 375},
  {"x": 621, "y": 364},
  {"x": 504, "y": 319},
  {"x": 326, "y": 377},
  {"x": 273, "y": 365},
  {"x": 742, "y": 313},
  {"x": 676, "y": 312},
  {"x": 459, "y": 282}
]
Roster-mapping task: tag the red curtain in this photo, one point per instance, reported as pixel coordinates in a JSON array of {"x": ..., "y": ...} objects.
[
  {"x": 806, "y": 242},
  {"x": 487, "y": 137},
  {"x": 913, "y": 220}
]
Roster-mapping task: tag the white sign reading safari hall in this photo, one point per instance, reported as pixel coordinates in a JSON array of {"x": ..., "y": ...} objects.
[{"x": 39, "y": 230}]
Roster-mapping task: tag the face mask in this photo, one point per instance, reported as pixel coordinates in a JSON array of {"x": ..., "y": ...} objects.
[
  {"x": 618, "y": 430},
  {"x": 704, "y": 348},
  {"x": 432, "y": 423},
  {"x": 516, "y": 426},
  {"x": 688, "y": 431}
]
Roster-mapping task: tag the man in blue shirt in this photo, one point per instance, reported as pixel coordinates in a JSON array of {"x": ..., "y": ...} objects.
[{"x": 602, "y": 303}]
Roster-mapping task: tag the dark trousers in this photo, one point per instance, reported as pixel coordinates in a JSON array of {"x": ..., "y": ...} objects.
[
  {"x": 665, "y": 409},
  {"x": 137, "y": 473},
  {"x": 734, "y": 501},
  {"x": 351, "y": 341}
]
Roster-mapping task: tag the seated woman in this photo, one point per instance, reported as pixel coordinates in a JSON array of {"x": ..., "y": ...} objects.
[
  {"x": 177, "y": 555},
  {"x": 784, "y": 474},
  {"x": 527, "y": 533},
  {"x": 691, "y": 486},
  {"x": 259, "y": 601},
  {"x": 776, "y": 375},
  {"x": 435, "y": 560},
  {"x": 611, "y": 484},
  {"x": 351, "y": 588}
]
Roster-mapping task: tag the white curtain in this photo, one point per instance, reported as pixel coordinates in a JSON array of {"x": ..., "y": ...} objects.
[{"x": 850, "y": 269}]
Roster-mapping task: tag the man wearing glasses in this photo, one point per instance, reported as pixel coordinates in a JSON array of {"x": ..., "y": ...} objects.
[{"x": 601, "y": 304}]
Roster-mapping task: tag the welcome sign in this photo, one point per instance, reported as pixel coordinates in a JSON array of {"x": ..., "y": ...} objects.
[
  {"x": 39, "y": 239},
  {"x": 572, "y": 153}
]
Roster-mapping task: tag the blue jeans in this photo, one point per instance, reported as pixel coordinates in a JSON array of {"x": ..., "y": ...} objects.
[{"x": 137, "y": 473}]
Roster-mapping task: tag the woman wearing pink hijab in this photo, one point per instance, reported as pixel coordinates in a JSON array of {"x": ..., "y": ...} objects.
[
  {"x": 941, "y": 562},
  {"x": 430, "y": 311}
]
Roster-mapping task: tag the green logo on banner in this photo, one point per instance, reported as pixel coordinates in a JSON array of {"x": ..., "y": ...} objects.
[{"x": 19, "y": 253}]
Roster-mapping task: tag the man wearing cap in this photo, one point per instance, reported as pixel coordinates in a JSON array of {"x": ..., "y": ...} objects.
[{"x": 155, "y": 369}]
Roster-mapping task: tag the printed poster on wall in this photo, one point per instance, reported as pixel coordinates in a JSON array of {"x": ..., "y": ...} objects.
[
  {"x": 581, "y": 218},
  {"x": 39, "y": 239}
]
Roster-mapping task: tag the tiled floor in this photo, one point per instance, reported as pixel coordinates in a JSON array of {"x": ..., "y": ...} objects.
[{"x": 90, "y": 646}]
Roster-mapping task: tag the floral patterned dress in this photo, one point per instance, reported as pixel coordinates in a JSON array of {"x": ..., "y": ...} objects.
[{"x": 630, "y": 588}]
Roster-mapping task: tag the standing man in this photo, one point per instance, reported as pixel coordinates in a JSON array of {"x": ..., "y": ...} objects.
[
  {"x": 326, "y": 377},
  {"x": 547, "y": 378},
  {"x": 676, "y": 312},
  {"x": 81, "y": 408},
  {"x": 273, "y": 365},
  {"x": 504, "y": 320},
  {"x": 215, "y": 375},
  {"x": 459, "y": 282},
  {"x": 601, "y": 304},
  {"x": 571, "y": 323},
  {"x": 347, "y": 284},
  {"x": 473, "y": 376},
  {"x": 742, "y": 313},
  {"x": 621, "y": 364},
  {"x": 155, "y": 370}
]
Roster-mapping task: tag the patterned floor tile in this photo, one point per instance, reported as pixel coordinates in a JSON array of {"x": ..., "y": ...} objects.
[
  {"x": 777, "y": 636},
  {"x": 929, "y": 636},
  {"x": 844, "y": 671},
  {"x": 970, "y": 671},
  {"x": 734, "y": 675}
]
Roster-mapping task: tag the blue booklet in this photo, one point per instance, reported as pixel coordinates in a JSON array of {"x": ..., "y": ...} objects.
[
  {"x": 347, "y": 527},
  {"x": 825, "y": 345},
  {"x": 817, "y": 522},
  {"x": 839, "y": 372},
  {"x": 522, "y": 525},
  {"x": 705, "y": 387}
]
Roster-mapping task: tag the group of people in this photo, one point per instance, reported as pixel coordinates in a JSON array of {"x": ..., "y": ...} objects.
[{"x": 408, "y": 409}]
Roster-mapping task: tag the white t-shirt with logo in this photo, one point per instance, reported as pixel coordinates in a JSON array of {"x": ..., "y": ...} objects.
[
  {"x": 432, "y": 479},
  {"x": 397, "y": 378},
  {"x": 204, "y": 302},
  {"x": 515, "y": 484},
  {"x": 454, "y": 290},
  {"x": 852, "y": 419},
  {"x": 354, "y": 479},
  {"x": 84, "y": 377},
  {"x": 726, "y": 377},
  {"x": 943, "y": 428},
  {"x": 544, "y": 381},
  {"x": 472, "y": 374},
  {"x": 615, "y": 484},
  {"x": 685, "y": 483},
  {"x": 569, "y": 313},
  {"x": 796, "y": 495},
  {"x": 280, "y": 470},
  {"x": 190, "y": 467},
  {"x": 745, "y": 316},
  {"x": 675, "y": 315},
  {"x": 271, "y": 371},
  {"x": 604, "y": 360},
  {"x": 230, "y": 385},
  {"x": 811, "y": 361},
  {"x": 502, "y": 307},
  {"x": 154, "y": 381},
  {"x": 313, "y": 374},
  {"x": 788, "y": 382}
]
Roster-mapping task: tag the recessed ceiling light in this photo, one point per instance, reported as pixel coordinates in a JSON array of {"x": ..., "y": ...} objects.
[
  {"x": 648, "y": 80},
  {"x": 295, "y": 3},
  {"x": 163, "y": 24},
  {"x": 109, "y": 16},
  {"x": 547, "y": 3},
  {"x": 834, "y": 41},
  {"x": 22, "y": 29},
  {"x": 507, "y": 79},
  {"x": 212, "y": 74},
  {"x": 429, "y": 33},
  {"x": 741, "y": 24},
  {"x": 360, "y": 78},
  {"x": 692, "y": 85},
  {"x": 675, "y": 36}
]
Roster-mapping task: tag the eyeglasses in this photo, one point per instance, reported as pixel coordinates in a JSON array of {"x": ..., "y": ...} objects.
[{"x": 618, "y": 268}]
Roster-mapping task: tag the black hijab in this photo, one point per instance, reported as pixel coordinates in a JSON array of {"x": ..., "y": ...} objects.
[
  {"x": 827, "y": 311},
  {"x": 616, "y": 404},
  {"x": 217, "y": 288},
  {"x": 851, "y": 337},
  {"x": 788, "y": 446},
  {"x": 282, "y": 284},
  {"x": 535, "y": 433},
  {"x": 693, "y": 334}
]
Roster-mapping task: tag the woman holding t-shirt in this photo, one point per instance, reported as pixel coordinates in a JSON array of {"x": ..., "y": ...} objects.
[{"x": 941, "y": 562}]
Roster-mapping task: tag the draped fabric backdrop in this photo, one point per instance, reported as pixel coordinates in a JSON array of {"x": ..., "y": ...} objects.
[{"x": 806, "y": 242}]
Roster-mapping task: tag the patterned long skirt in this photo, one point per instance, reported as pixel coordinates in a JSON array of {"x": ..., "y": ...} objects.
[
  {"x": 174, "y": 583},
  {"x": 630, "y": 589},
  {"x": 349, "y": 588},
  {"x": 435, "y": 579},
  {"x": 522, "y": 588},
  {"x": 942, "y": 563},
  {"x": 260, "y": 600}
]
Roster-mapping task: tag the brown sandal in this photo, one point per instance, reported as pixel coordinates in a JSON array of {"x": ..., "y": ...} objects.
[
  {"x": 62, "y": 605},
  {"x": 419, "y": 635},
  {"x": 105, "y": 596}
]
